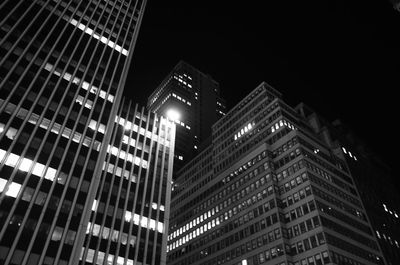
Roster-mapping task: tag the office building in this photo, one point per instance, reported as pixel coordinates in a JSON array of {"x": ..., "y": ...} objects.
[
  {"x": 130, "y": 210},
  {"x": 193, "y": 100},
  {"x": 268, "y": 191},
  {"x": 83, "y": 178},
  {"x": 373, "y": 177}
]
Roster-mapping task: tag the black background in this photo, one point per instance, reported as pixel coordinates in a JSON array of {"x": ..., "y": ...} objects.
[{"x": 340, "y": 57}]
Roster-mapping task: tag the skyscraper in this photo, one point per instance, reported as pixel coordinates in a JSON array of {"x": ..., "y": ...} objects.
[
  {"x": 193, "y": 100},
  {"x": 130, "y": 210},
  {"x": 63, "y": 65},
  {"x": 373, "y": 177},
  {"x": 268, "y": 191}
]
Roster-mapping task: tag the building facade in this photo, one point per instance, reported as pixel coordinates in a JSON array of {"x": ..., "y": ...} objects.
[
  {"x": 83, "y": 178},
  {"x": 194, "y": 98},
  {"x": 373, "y": 177},
  {"x": 129, "y": 214},
  {"x": 268, "y": 191}
]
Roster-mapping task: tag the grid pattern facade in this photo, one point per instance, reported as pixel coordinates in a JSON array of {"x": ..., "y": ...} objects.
[
  {"x": 63, "y": 65},
  {"x": 274, "y": 194},
  {"x": 131, "y": 207},
  {"x": 196, "y": 97},
  {"x": 374, "y": 179}
]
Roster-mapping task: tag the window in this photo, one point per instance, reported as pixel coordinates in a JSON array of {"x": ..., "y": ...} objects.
[
  {"x": 300, "y": 248},
  {"x": 325, "y": 257},
  {"x": 313, "y": 242},
  {"x": 57, "y": 233},
  {"x": 306, "y": 244},
  {"x": 13, "y": 189},
  {"x": 318, "y": 260},
  {"x": 321, "y": 239}
]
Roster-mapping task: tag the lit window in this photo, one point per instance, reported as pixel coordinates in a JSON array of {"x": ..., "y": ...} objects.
[
  {"x": 13, "y": 189},
  {"x": 38, "y": 169},
  {"x": 103, "y": 39},
  {"x": 50, "y": 174},
  {"x": 128, "y": 216},
  {"x": 2, "y": 184},
  {"x": 12, "y": 160},
  {"x": 25, "y": 164},
  {"x": 57, "y": 233},
  {"x": 95, "y": 204}
]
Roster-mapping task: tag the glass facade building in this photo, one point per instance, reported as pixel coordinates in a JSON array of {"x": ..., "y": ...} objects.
[
  {"x": 268, "y": 190},
  {"x": 195, "y": 98},
  {"x": 129, "y": 214},
  {"x": 83, "y": 178}
]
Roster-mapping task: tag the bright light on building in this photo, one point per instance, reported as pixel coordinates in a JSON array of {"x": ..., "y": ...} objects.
[{"x": 173, "y": 114}]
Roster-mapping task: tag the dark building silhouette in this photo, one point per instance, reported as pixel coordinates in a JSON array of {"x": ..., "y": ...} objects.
[
  {"x": 268, "y": 190},
  {"x": 195, "y": 98},
  {"x": 83, "y": 179},
  {"x": 396, "y": 4},
  {"x": 373, "y": 177}
]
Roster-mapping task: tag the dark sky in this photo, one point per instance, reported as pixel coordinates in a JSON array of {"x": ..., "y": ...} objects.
[{"x": 341, "y": 57}]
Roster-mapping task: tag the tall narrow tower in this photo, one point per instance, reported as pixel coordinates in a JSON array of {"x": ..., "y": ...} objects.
[
  {"x": 63, "y": 65},
  {"x": 193, "y": 100}
]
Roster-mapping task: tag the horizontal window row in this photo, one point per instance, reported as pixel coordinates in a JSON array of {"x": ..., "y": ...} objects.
[
  {"x": 108, "y": 233},
  {"x": 293, "y": 168},
  {"x": 334, "y": 190},
  {"x": 284, "y": 147},
  {"x": 338, "y": 203},
  {"x": 258, "y": 226},
  {"x": 327, "y": 166},
  {"x": 293, "y": 183},
  {"x": 307, "y": 244},
  {"x": 353, "y": 249},
  {"x": 318, "y": 259},
  {"x": 349, "y": 233},
  {"x": 295, "y": 197},
  {"x": 343, "y": 217},
  {"x": 299, "y": 211},
  {"x": 302, "y": 227},
  {"x": 330, "y": 178}
]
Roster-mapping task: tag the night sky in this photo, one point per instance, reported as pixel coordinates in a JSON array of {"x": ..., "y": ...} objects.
[{"x": 340, "y": 57}]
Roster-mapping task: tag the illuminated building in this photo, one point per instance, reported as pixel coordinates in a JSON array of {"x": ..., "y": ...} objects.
[
  {"x": 130, "y": 211},
  {"x": 83, "y": 178},
  {"x": 268, "y": 191},
  {"x": 194, "y": 98}
]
